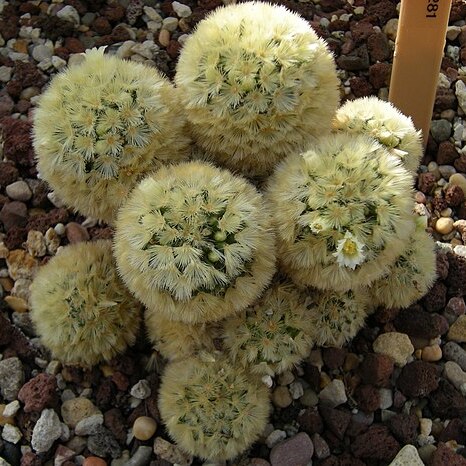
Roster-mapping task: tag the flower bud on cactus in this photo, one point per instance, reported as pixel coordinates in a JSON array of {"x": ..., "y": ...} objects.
[
  {"x": 177, "y": 340},
  {"x": 384, "y": 122},
  {"x": 274, "y": 334},
  {"x": 257, "y": 83},
  {"x": 80, "y": 308},
  {"x": 342, "y": 212},
  {"x": 336, "y": 317},
  {"x": 211, "y": 408},
  {"x": 194, "y": 243},
  {"x": 103, "y": 124},
  {"x": 410, "y": 277}
]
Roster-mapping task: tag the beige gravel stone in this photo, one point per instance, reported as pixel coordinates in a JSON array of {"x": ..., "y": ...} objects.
[
  {"x": 396, "y": 345},
  {"x": 457, "y": 330}
]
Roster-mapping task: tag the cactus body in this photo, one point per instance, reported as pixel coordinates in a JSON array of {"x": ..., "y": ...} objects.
[
  {"x": 80, "y": 308},
  {"x": 100, "y": 126}
]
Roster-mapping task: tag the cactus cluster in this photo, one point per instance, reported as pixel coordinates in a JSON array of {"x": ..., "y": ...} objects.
[
  {"x": 251, "y": 75},
  {"x": 198, "y": 244},
  {"x": 80, "y": 308},
  {"x": 102, "y": 125},
  {"x": 194, "y": 243}
]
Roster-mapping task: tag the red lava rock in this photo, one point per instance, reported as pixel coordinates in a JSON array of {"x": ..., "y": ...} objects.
[
  {"x": 445, "y": 456},
  {"x": 445, "y": 99},
  {"x": 80, "y": 6},
  {"x": 447, "y": 402},
  {"x": 30, "y": 459},
  {"x": 43, "y": 222},
  {"x": 28, "y": 74},
  {"x": 39, "y": 393},
  {"x": 9, "y": 28},
  {"x": 458, "y": 11},
  {"x": 15, "y": 237},
  {"x": 439, "y": 203},
  {"x": 22, "y": 106},
  {"x": 442, "y": 265},
  {"x": 173, "y": 48},
  {"x": 74, "y": 45},
  {"x": 454, "y": 195},
  {"x": 114, "y": 12},
  {"x": 101, "y": 25},
  {"x": 115, "y": 422},
  {"x": 460, "y": 163},
  {"x": 416, "y": 322},
  {"x": 360, "y": 87},
  {"x": 436, "y": 298},
  {"x": 54, "y": 27},
  {"x": 120, "y": 33},
  {"x": 455, "y": 430},
  {"x": 361, "y": 30},
  {"x": 14, "y": 88},
  {"x": 338, "y": 25},
  {"x": 383, "y": 10},
  {"x": 378, "y": 47},
  {"x": 311, "y": 421},
  {"x": 8, "y": 173},
  {"x": 376, "y": 369},
  {"x": 356, "y": 61},
  {"x": 331, "y": 5},
  {"x": 17, "y": 144},
  {"x": 336, "y": 420},
  {"x": 6, "y": 105},
  {"x": 426, "y": 182},
  {"x": 456, "y": 279},
  {"x": 367, "y": 397},
  {"x": 376, "y": 444},
  {"x": 14, "y": 214},
  {"x": 334, "y": 357},
  {"x": 418, "y": 379},
  {"x": 404, "y": 427},
  {"x": 447, "y": 153},
  {"x": 384, "y": 315},
  {"x": 105, "y": 394},
  {"x": 292, "y": 451},
  {"x": 454, "y": 308},
  {"x": 120, "y": 380}
]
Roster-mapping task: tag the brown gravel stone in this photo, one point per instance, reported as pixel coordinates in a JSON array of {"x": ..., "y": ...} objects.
[
  {"x": 445, "y": 99},
  {"x": 311, "y": 421},
  {"x": 76, "y": 233},
  {"x": 379, "y": 75},
  {"x": 426, "y": 182},
  {"x": 376, "y": 444},
  {"x": 116, "y": 423},
  {"x": 376, "y": 369},
  {"x": 39, "y": 393},
  {"x": 120, "y": 33},
  {"x": 456, "y": 279},
  {"x": 443, "y": 265},
  {"x": 114, "y": 12},
  {"x": 336, "y": 420},
  {"x": 454, "y": 308},
  {"x": 334, "y": 357},
  {"x": 418, "y": 323},
  {"x": 360, "y": 87},
  {"x": 15, "y": 237},
  {"x": 383, "y": 10},
  {"x": 292, "y": 451},
  {"x": 361, "y": 30},
  {"x": 30, "y": 459},
  {"x": 445, "y": 456},
  {"x": 447, "y": 153},
  {"x": 14, "y": 88},
  {"x": 460, "y": 163},
  {"x": 14, "y": 214},
  {"x": 447, "y": 402},
  {"x": 74, "y": 45},
  {"x": 418, "y": 379},
  {"x": 436, "y": 298},
  {"x": 378, "y": 47},
  {"x": 404, "y": 427},
  {"x": 102, "y": 26}
]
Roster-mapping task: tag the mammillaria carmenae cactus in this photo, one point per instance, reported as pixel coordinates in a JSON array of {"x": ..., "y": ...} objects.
[
  {"x": 178, "y": 340},
  {"x": 103, "y": 124},
  {"x": 342, "y": 212},
  {"x": 194, "y": 243},
  {"x": 257, "y": 83},
  {"x": 382, "y": 121},
  {"x": 410, "y": 277},
  {"x": 211, "y": 408},
  {"x": 274, "y": 334},
  {"x": 79, "y": 306},
  {"x": 336, "y": 317}
]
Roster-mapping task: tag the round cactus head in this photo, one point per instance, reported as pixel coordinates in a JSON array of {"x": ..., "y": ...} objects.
[
  {"x": 194, "y": 243},
  {"x": 212, "y": 408},
  {"x": 80, "y": 308},
  {"x": 410, "y": 277},
  {"x": 274, "y": 334},
  {"x": 335, "y": 317},
  {"x": 100, "y": 126},
  {"x": 257, "y": 83},
  {"x": 385, "y": 123},
  {"x": 342, "y": 212}
]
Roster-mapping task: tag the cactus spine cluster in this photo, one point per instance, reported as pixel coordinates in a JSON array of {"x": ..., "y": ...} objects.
[
  {"x": 257, "y": 84},
  {"x": 194, "y": 243},
  {"x": 100, "y": 126},
  {"x": 80, "y": 308}
]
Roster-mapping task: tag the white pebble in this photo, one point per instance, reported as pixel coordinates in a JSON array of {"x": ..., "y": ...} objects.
[
  {"x": 141, "y": 390},
  {"x": 333, "y": 394},
  {"x": 296, "y": 390},
  {"x": 275, "y": 437},
  {"x": 11, "y": 434},
  {"x": 47, "y": 429},
  {"x": 69, "y": 13},
  {"x": 11, "y": 408},
  {"x": 59, "y": 229},
  {"x": 182, "y": 10},
  {"x": 170, "y": 24},
  {"x": 42, "y": 52}
]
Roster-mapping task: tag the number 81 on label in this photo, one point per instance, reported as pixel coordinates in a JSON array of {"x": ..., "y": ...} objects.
[{"x": 431, "y": 8}]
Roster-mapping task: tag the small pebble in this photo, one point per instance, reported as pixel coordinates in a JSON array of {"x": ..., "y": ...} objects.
[
  {"x": 19, "y": 191},
  {"x": 141, "y": 390},
  {"x": 182, "y": 10},
  {"x": 396, "y": 345},
  {"x": 281, "y": 397},
  {"x": 407, "y": 456},
  {"x": 459, "y": 180},
  {"x": 94, "y": 461},
  {"x": 144, "y": 428},
  {"x": 333, "y": 394},
  {"x": 431, "y": 353},
  {"x": 274, "y": 437},
  {"x": 444, "y": 225},
  {"x": 76, "y": 233}
]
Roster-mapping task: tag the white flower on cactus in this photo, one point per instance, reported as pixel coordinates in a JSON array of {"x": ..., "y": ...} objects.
[{"x": 350, "y": 251}]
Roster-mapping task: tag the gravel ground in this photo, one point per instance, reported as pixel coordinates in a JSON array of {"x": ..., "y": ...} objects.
[{"x": 401, "y": 383}]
